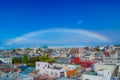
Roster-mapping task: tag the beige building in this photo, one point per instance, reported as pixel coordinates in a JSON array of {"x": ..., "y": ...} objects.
[{"x": 77, "y": 51}]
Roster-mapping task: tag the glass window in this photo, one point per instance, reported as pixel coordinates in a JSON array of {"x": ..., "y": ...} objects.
[
  {"x": 51, "y": 73},
  {"x": 38, "y": 65},
  {"x": 56, "y": 74},
  {"x": 46, "y": 72},
  {"x": 62, "y": 74}
]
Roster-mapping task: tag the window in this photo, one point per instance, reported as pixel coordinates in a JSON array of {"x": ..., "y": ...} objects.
[
  {"x": 56, "y": 74},
  {"x": 45, "y": 65},
  {"x": 38, "y": 65},
  {"x": 62, "y": 74},
  {"x": 48, "y": 66},
  {"x": 51, "y": 73},
  {"x": 88, "y": 65},
  {"x": 46, "y": 72}
]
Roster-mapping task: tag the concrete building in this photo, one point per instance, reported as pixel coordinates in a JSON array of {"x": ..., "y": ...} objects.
[
  {"x": 111, "y": 55},
  {"x": 15, "y": 76},
  {"x": 56, "y": 69},
  {"x": 5, "y": 59},
  {"x": 76, "y": 51},
  {"x": 101, "y": 72}
]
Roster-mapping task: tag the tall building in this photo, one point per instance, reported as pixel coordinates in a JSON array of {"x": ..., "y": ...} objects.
[{"x": 76, "y": 50}]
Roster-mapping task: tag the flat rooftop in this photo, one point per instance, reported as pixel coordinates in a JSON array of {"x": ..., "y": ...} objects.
[
  {"x": 9, "y": 76},
  {"x": 64, "y": 78}
]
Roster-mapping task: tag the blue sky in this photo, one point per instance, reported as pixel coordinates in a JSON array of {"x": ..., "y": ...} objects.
[{"x": 21, "y": 17}]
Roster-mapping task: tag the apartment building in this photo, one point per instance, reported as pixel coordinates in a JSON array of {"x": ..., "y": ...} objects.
[
  {"x": 101, "y": 72},
  {"x": 56, "y": 69}
]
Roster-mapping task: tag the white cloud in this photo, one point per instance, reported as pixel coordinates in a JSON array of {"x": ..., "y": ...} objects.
[{"x": 80, "y": 22}]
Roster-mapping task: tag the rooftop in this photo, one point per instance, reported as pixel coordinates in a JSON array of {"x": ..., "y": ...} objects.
[
  {"x": 64, "y": 78},
  {"x": 9, "y": 76}
]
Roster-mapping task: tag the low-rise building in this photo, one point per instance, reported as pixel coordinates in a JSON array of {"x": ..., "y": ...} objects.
[
  {"x": 100, "y": 72},
  {"x": 64, "y": 78},
  {"x": 77, "y": 52},
  {"x": 15, "y": 76},
  {"x": 111, "y": 56},
  {"x": 6, "y": 59},
  {"x": 56, "y": 69}
]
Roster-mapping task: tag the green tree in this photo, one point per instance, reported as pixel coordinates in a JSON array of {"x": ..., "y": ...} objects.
[
  {"x": 32, "y": 61},
  {"x": 16, "y": 60},
  {"x": 97, "y": 49},
  {"x": 25, "y": 59},
  {"x": 44, "y": 58}
]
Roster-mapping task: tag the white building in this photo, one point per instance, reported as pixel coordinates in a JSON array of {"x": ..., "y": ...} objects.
[
  {"x": 103, "y": 72},
  {"x": 55, "y": 70},
  {"x": 15, "y": 76},
  {"x": 111, "y": 55},
  {"x": 46, "y": 68},
  {"x": 6, "y": 59}
]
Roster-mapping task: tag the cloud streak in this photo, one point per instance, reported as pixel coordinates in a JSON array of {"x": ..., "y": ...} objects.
[{"x": 80, "y": 22}]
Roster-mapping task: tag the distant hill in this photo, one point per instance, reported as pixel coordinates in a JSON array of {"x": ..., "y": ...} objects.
[{"x": 117, "y": 45}]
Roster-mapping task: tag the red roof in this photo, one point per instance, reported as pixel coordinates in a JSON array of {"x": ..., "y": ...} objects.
[
  {"x": 107, "y": 54},
  {"x": 83, "y": 63}
]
